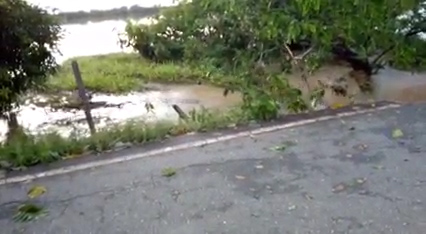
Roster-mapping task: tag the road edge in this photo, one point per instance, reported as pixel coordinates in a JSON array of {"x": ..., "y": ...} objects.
[{"x": 188, "y": 145}]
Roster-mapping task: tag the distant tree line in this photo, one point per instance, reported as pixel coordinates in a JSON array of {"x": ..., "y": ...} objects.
[{"x": 101, "y": 15}]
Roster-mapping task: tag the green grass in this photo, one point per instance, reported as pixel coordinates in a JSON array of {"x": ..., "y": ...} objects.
[
  {"x": 120, "y": 72},
  {"x": 24, "y": 150}
]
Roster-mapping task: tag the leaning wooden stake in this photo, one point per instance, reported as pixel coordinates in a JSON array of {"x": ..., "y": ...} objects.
[
  {"x": 83, "y": 96},
  {"x": 180, "y": 112}
]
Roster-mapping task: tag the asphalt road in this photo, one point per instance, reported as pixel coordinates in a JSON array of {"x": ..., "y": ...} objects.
[{"x": 339, "y": 176}]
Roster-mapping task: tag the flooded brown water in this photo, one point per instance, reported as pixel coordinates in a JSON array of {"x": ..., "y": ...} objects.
[
  {"x": 390, "y": 85},
  {"x": 36, "y": 117}
]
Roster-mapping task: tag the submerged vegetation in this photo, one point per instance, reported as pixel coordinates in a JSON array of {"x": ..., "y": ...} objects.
[{"x": 248, "y": 46}]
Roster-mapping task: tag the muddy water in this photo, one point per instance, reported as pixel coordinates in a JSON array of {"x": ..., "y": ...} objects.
[
  {"x": 326, "y": 75},
  {"x": 37, "y": 118},
  {"x": 400, "y": 86},
  {"x": 389, "y": 85}
]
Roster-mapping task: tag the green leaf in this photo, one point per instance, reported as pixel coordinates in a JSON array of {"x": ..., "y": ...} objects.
[{"x": 36, "y": 191}]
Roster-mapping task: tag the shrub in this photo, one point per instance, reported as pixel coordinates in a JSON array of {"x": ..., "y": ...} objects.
[{"x": 29, "y": 36}]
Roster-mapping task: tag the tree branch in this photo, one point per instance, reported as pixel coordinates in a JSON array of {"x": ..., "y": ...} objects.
[{"x": 409, "y": 34}]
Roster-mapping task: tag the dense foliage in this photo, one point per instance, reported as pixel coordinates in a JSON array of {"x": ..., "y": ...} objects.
[
  {"x": 246, "y": 36},
  {"x": 28, "y": 38}
]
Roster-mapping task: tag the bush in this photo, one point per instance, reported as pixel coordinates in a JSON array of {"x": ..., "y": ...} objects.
[
  {"x": 247, "y": 36},
  {"x": 29, "y": 35}
]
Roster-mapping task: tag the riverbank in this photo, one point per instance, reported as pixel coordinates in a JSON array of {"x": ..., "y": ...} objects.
[
  {"x": 120, "y": 74},
  {"x": 123, "y": 72}
]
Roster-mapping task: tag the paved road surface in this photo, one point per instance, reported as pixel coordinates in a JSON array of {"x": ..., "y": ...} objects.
[{"x": 339, "y": 176}]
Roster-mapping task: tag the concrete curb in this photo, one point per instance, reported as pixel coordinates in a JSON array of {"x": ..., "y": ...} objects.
[{"x": 212, "y": 140}]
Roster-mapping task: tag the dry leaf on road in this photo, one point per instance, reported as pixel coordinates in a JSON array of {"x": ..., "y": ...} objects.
[
  {"x": 397, "y": 133},
  {"x": 36, "y": 191}
]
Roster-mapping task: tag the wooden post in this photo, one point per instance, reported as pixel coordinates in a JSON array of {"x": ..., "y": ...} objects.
[
  {"x": 83, "y": 96},
  {"x": 180, "y": 112}
]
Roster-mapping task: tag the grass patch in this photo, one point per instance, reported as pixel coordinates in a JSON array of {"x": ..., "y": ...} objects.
[
  {"x": 122, "y": 72},
  {"x": 29, "y": 150},
  {"x": 29, "y": 212}
]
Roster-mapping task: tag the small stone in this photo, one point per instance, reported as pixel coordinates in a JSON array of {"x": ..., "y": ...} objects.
[
  {"x": 176, "y": 192},
  {"x": 255, "y": 215},
  {"x": 259, "y": 166},
  {"x": 339, "y": 188},
  {"x": 361, "y": 147},
  {"x": 293, "y": 207},
  {"x": 238, "y": 177},
  {"x": 361, "y": 180},
  {"x": 349, "y": 155}
]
